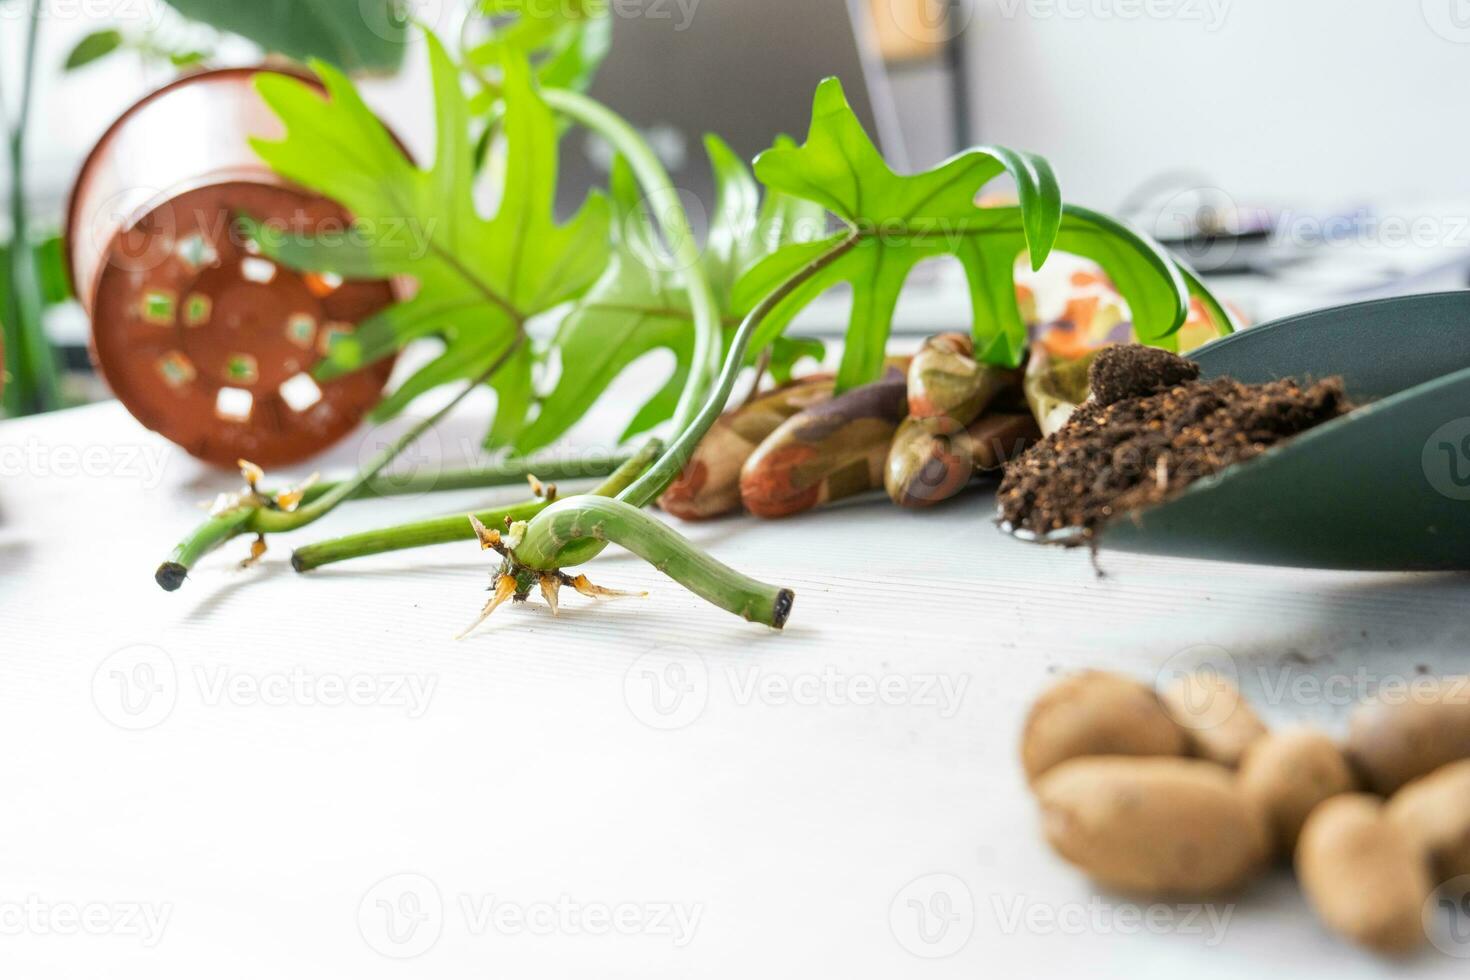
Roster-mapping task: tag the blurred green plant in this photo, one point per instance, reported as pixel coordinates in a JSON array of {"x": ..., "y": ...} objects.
[
  {"x": 356, "y": 35},
  {"x": 32, "y": 383},
  {"x": 94, "y": 47},
  {"x": 164, "y": 44},
  {"x": 564, "y": 42},
  {"x": 360, "y": 36}
]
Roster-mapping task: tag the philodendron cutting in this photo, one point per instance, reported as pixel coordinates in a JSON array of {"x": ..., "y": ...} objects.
[{"x": 833, "y": 213}]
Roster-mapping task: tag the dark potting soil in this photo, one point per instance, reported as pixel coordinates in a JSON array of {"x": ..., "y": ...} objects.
[{"x": 1150, "y": 429}]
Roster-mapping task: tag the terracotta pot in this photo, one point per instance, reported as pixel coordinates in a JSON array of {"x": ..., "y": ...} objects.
[{"x": 201, "y": 338}]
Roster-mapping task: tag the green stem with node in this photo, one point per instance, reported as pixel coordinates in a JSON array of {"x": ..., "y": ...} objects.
[
  {"x": 500, "y": 474},
  {"x": 612, "y": 521},
  {"x": 201, "y": 541},
  {"x": 251, "y": 518},
  {"x": 445, "y": 530},
  {"x": 577, "y": 529},
  {"x": 282, "y": 521},
  {"x": 651, "y": 485},
  {"x": 216, "y": 531},
  {"x": 679, "y": 234}
]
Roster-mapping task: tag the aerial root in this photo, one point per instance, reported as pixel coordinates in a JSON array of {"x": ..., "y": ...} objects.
[
  {"x": 582, "y": 585},
  {"x": 505, "y": 590},
  {"x": 515, "y": 581}
]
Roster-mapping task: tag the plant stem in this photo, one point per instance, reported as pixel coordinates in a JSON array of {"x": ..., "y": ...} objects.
[
  {"x": 216, "y": 531},
  {"x": 658, "y": 477},
  {"x": 653, "y": 483},
  {"x": 251, "y": 518},
  {"x": 454, "y": 527},
  {"x": 423, "y": 534},
  {"x": 660, "y": 191},
  {"x": 204, "y": 539},
  {"x": 34, "y": 387},
  {"x": 501, "y": 474},
  {"x": 282, "y": 521},
  {"x": 617, "y": 522}
]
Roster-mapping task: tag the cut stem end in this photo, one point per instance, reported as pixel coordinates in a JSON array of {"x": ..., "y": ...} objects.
[
  {"x": 781, "y": 611},
  {"x": 170, "y": 576}
]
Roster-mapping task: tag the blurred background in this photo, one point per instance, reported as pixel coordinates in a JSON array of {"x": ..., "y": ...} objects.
[{"x": 1298, "y": 153}]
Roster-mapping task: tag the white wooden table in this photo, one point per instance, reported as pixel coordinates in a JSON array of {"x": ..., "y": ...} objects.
[{"x": 269, "y": 775}]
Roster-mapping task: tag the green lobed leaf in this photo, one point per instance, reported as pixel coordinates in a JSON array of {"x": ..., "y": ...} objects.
[
  {"x": 895, "y": 222},
  {"x": 737, "y": 211},
  {"x": 840, "y": 168},
  {"x": 900, "y": 221},
  {"x": 633, "y": 310},
  {"x": 990, "y": 268},
  {"x": 479, "y": 280}
]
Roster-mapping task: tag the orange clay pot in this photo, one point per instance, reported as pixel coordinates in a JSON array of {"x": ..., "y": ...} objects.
[{"x": 201, "y": 338}]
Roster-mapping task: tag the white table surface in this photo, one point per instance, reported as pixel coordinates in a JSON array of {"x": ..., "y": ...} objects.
[{"x": 171, "y": 755}]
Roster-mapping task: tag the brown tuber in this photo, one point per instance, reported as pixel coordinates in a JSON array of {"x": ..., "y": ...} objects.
[
  {"x": 1287, "y": 774},
  {"x": 1217, "y": 721},
  {"x": 1394, "y": 740},
  {"x": 1434, "y": 812},
  {"x": 1156, "y": 826},
  {"x": 1366, "y": 879},
  {"x": 1096, "y": 713}
]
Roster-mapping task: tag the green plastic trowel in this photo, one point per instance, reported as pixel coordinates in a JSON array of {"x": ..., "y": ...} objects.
[{"x": 1384, "y": 488}]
